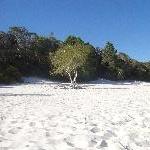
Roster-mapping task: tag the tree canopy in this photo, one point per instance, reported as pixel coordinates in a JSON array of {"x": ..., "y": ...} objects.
[
  {"x": 25, "y": 53},
  {"x": 74, "y": 58}
]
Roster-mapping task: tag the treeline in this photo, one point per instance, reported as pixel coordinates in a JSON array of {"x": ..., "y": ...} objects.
[{"x": 23, "y": 53}]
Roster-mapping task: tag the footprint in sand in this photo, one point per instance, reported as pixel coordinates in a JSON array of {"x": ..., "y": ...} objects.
[
  {"x": 14, "y": 122},
  {"x": 78, "y": 141},
  {"x": 51, "y": 117},
  {"x": 68, "y": 141},
  {"x": 32, "y": 124},
  {"x": 108, "y": 135},
  {"x": 95, "y": 129},
  {"x": 74, "y": 128},
  {"x": 102, "y": 145},
  {"x": 14, "y": 130},
  {"x": 92, "y": 143},
  {"x": 47, "y": 134},
  {"x": 97, "y": 138}
]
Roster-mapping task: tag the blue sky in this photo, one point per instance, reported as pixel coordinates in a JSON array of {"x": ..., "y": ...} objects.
[{"x": 126, "y": 23}]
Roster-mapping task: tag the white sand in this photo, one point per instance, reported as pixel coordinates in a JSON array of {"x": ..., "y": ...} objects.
[{"x": 44, "y": 115}]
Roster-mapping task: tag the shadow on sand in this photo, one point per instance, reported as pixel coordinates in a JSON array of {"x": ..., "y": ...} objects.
[
  {"x": 11, "y": 94},
  {"x": 1, "y": 86},
  {"x": 61, "y": 85},
  {"x": 127, "y": 82}
]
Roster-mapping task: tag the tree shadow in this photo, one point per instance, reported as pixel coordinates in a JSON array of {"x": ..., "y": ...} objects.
[
  {"x": 2, "y": 86},
  {"x": 11, "y": 94},
  {"x": 40, "y": 81},
  {"x": 112, "y": 88},
  {"x": 85, "y": 86},
  {"x": 126, "y": 82}
]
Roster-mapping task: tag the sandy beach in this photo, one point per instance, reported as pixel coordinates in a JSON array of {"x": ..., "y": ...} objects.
[{"x": 43, "y": 115}]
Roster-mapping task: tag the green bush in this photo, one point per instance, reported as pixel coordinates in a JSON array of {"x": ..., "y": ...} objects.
[
  {"x": 10, "y": 75},
  {"x": 1, "y": 78}
]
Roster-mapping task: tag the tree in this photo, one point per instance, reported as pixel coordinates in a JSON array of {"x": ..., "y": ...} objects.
[
  {"x": 67, "y": 60},
  {"x": 25, "y": 41},
  {"x": 108, "y": 61},
  {"x": 109, "y": 55},
  {"x": 72, "y": 40},
  {"x": 74, "y": 60},
  {"x": 26, "y": 51},
  {"x": 24, "y": 38}
]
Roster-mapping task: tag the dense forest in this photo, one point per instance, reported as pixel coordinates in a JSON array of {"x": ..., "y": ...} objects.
[{"x": 23, "y": 53}]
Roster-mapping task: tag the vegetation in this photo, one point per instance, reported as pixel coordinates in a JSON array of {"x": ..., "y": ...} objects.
[
  {"x": 75, "y": 58},
  {"x": 23, "y": 53}
]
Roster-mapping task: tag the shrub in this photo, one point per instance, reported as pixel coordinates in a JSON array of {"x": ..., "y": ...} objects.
[{"x": 10, "y": 74}]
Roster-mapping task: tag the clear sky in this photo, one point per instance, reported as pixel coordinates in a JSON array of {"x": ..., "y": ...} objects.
[{"x": 126, "y": 23}]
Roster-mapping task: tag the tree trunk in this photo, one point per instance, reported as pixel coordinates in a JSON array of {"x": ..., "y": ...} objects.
[
  {"x": 70, "y": 78},
  {"x": 75, "y": 76},
  {"x": 73, "y": 81}
]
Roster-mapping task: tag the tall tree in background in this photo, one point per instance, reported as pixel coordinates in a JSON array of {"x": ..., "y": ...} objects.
[
  {"x": 72, "y": 40},
  {"x": 108, "y": 58},
  {"x": 24, "y": 38}
]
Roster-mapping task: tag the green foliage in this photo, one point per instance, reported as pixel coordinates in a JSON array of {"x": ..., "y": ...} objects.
[
  {"x": 72, "y": 40},
  {"x": 45, "y": 45},
  {"x": 10, "y": 74},
  {"x": 119, "y": 66},
  {"x": 109, "y": 55},
  {"x": 1, "y": 78},
  {"x": 26, "y": 53},
  {"x": 75, "y": 57},
  {"x": 68, "y": 58},
  {"x": 108, "y": 62},
  {"x": 24, "y": 38}
]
